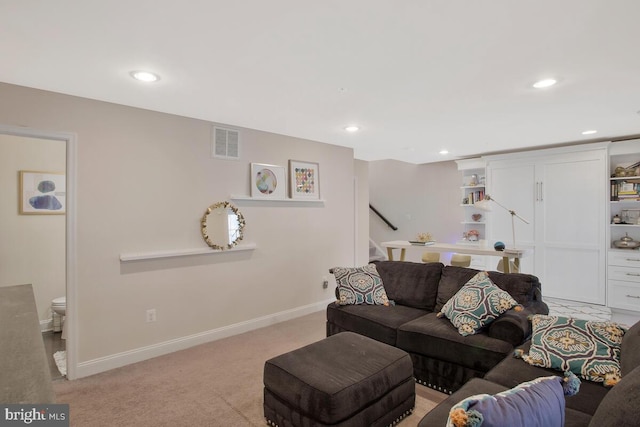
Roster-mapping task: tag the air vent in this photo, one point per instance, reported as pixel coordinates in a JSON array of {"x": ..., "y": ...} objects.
[{"x": 225, "y": 144}]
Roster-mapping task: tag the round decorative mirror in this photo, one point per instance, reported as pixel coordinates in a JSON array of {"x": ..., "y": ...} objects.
[{"x": 222, "y": 225}]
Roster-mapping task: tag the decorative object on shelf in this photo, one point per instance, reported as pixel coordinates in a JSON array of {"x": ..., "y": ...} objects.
[
  {"x": 626, "y": 242},
  {"x": 473, "y": 235},
  {"x": 476, "y": 217},
  {"x": 304, "y": 180},
  {"x": 465, "y": 201},
  {"x": 632, "y": 170},
  {"x": 222, "y": 226},
  {"x": 629, "y": 216},
  {"x": 499, "y": 246},
  {"x": 425, "y": 237},
  {"x": 474, "y": 180},
  {"x": 484, "y": 205},
  {"x": 419, "y": 243},
  {"x": 616, "y": 219},
  {"x": 42, "y": 193},
  {"x": 268, "y": 181}
]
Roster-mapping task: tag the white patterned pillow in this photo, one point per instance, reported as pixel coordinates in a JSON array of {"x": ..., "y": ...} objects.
[
  {"x": 478, "y": 303},
  {"x": 360, "y": 285}
]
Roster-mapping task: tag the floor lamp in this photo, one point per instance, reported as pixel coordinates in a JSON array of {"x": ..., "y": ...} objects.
[{"x": 484, "y": 205}]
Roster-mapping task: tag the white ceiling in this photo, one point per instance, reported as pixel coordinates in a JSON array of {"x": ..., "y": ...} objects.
[{"x": 417, "y": 76}]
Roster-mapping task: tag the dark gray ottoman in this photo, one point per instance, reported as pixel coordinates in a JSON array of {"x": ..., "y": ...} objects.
[{"x": 344, "y": 380}]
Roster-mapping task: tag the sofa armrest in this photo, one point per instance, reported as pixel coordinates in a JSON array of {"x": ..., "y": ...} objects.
[{"x": 513, "y": 327}]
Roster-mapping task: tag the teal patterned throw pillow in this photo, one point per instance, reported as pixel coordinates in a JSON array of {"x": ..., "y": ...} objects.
[
  {"x": 478, "y": 303},
  {"x": 589, "y": 349},
  {"x": 361, "y": 285}
]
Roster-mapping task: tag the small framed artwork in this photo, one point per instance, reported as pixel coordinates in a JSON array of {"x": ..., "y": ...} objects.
[
  {"x": 304, "y": 180},
  {"x": 42, "y": 193},
  {"x": 268, "y": 181}
]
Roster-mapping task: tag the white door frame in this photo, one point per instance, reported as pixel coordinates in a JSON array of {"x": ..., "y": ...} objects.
[{"x": 71, "y": 262}]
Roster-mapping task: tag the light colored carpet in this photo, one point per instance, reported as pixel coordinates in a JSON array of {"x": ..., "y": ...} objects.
[
  {"x": 214, "y": 384},
  {"x": 60, "y": 358}
]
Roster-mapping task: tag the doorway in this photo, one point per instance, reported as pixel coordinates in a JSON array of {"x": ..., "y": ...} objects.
[{"x": 43, "y": 245}]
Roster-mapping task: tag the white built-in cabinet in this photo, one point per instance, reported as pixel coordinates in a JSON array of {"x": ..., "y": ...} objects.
[{"x": 560, "y": 192}]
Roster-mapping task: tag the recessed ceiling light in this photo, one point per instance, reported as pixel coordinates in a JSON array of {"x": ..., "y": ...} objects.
[
  {"x": 589, "y": 132},
  {"x": 352, "y": 128},
  {"x": 544, "y": 83},
  {"x": 145, "y": 76},
  {"x": 443, "y": 152}
]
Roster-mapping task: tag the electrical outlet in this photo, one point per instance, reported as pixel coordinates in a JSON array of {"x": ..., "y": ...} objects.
[
  {"x": 325, "y": 282},
  {"x": 151, "y": 315}
]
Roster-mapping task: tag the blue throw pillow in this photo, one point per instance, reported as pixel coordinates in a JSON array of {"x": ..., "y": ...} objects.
[
  {"x": 478, "y": 303},
  {"x": 361, "y": 285},
  {"x": 588, "y": 348},
  {"x": 536, "y": 403}
]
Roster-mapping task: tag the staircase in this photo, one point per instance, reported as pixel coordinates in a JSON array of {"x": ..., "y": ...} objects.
[{"x": 375, "y": 252}]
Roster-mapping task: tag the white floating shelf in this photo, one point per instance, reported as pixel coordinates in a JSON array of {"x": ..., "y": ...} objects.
[
  {"x": 184, "y": 252},
  {"x": 284, "y": 201}
]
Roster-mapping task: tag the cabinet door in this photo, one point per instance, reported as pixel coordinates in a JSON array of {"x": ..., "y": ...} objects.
[
  {"x": 570, "y": 232},
  {"x": 512, "y": 185}
]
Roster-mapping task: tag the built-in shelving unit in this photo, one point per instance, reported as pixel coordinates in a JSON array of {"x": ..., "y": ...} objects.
[
  {"x": 184, "y": 252},
  {"x": 472, "y": 190},
  {"x": 623, "y": 265}
]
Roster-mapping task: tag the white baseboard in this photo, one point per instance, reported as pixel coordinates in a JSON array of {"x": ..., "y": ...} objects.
[
  {"x": 46, "y": 325},
  {"x": 102, "y": 364},
  {"x": 625, "y": 317}
]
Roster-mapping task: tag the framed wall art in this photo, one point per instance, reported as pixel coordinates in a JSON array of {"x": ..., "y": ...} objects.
[
  {"x": 42, "y": 193},
  {"x": 304, "y": 180},
  {"x": 268, "y": 181}
]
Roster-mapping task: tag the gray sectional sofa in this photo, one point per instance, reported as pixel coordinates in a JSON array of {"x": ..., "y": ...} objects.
[
  {"x": 442, "y": 358},
  {"x": 593, "y": 406}
]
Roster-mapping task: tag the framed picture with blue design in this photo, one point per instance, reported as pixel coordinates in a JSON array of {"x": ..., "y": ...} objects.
[
  {"x": 304, "y": 180},
  {"x": 268, "y": 181},
  {"x": 42, "y": 193}
]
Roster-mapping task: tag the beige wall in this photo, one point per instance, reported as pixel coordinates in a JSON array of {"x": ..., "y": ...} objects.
[
  {"x": 32, "y": 247},
  {"x": 362, "y": 207},
  {"x": 144, "y": 180},
  {"x": 416, "y": 199}
]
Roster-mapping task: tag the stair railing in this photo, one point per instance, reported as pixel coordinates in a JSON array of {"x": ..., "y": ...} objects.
[{"x": 386, "y": 221}]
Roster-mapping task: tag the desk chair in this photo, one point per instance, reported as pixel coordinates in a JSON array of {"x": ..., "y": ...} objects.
[
  {"x": 460, "y": 260},
  {"x": 513, "y": 268},
  {"x": 431, "y": 257}
]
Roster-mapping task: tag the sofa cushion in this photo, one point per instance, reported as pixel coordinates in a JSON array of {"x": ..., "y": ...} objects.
[
  {"x": 512, "y": 371},
  {"x": 539, "y": 402},
  {"x": 620, "y": 406},
  {"x": 438, "y": 416},
  {"x": 411, "y": 284},
  {"x": 524, "y": 288},
  {"x": 437, "y": 338},
  {"x": 360, "y": 285},
  {"x": 589, "y": 349},
  {"x": 476, "y": 304},
  {"x": 378, "y": 322},
  {"x": 630, "y": 350}
]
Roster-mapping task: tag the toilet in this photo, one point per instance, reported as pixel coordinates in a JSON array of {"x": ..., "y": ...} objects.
[{"x": 59, "y": 308}]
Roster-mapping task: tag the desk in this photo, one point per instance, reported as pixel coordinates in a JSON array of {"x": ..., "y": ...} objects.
[{"x": 507, "y": 255}]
